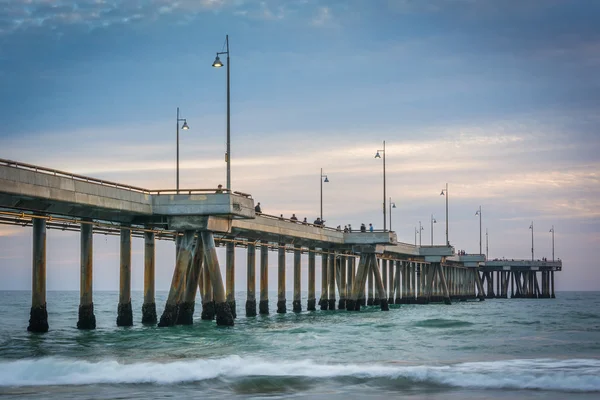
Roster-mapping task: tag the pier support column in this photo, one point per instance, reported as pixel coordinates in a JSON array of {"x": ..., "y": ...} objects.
[
  {"x": 479, "y": 284},
  {"x": 230, "y": 277},
  {"x": 312, "y": 301},
  {"x": 124, "y": 312},
  {"x": 399, "y": 282},
  {"x": 184, "y": 257},
  {"x": 187, "y": 305},
  {"x": 149, "y": 306},
  {"x": 375, "y": 266},
  {"x": 384, "y": 277},
  {"x": 38, "y": 315},
  {"x": 391, "y": 282},
  {"x": 358, "y": 286},
  {"x": 281, "y": 308},
  {"x": 223, "y": 313},
  {"x": 343, "y": 284},
  {"x": 552, "y": 295},
  {"x": 323, "y": 301},
  {"x": 370, "y": 286},
  {"x": 331, "y": 281},
  {"x": 263, "y": 306},
  {"x": 87, "y": 319},
  {"x": 297, "y": 304},
  {"x": 381, "y": 296},
  {"x": 208, "y": 302},
  {"x": 251, "y": 283},
  {"x": 445, "y": 291}
]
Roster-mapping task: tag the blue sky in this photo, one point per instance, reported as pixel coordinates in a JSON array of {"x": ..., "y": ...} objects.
[{"x": 498, "y": 98}]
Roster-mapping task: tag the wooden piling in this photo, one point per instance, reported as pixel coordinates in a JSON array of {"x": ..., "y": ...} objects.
[
  {"x": 331, "y": 281},
  {"x": 324, "y": 301},
  {"x": 124, "y": 312},
  {"x": 149, "y": 306},
  {"x": 187, "y": 304},
  {"x": 297, "y": 304},
  {"x": 312, "y": 301},
  {"x": 251, "y": 282},
  {"x": 263, "y": 306},
  {"x": 230, "y": 277},
  {"x": 183, "y": 259},
  {"x": 223, "y": 313},
  {"x": 281, "y": 308},
  {"x": 38, "y": 315}
]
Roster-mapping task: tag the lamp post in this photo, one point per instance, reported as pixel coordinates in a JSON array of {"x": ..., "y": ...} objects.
[
  {"x": 420, "y": 233},
  {"x": 486, "y": 245},
  {"x": 433, "y": 221},
  {"x": 218, "y": 64},
  {"x": 185, "y": 127},
  {"x": 326, "y": 180},
  {"x": 531, "y": 227},
  {"x": 552, "y": 230},
  {"x": 479, "y": 213},
  {"x": 416, "y": 231},
  {"x": 392, "y": 205},
  {"x": 445, "y": 193},
  {"x": 378, "y": 156}
]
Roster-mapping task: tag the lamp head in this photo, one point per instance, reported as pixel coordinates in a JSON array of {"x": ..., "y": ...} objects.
[
  {"x": 217, "y": 63},
  {"x": 441, "y": 194},
  {"x": 393, "y": 205},
  {"x": 435, "y": 221},
  {"x": 185, "y": 126},
  {"x": 377, "y": 155},
  {"x": 326, "y": 179}
]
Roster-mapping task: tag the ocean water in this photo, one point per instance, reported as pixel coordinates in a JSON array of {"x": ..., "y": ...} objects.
[{"x": 496, "y": 349}]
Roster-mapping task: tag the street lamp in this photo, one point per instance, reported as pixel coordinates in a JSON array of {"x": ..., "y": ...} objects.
[
  {"x": 326, "y": 181},
  {"x": 421, "y": 229},
  {"x": 185, "y": 127},
  {"x": 552, "y": 230},
  {"x": 392, "y": 205},
  {"x": 479, "y": 213},
  {"x": 378, "y": 156},
  {"x": 416, "y": 231},
  {"x": 531, "y": 227},
  {"x": 445, "y": 193},
  {"x": 433, "y": 221},
  {"x": 218, "y": 64}
]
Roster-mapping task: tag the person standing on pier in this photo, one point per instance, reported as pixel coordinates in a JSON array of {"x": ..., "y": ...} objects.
[
  {"x": 370, "y": 227},
  {"x": 294, "y": 218},
  {"x": 257, "y": 208},
  {"x": 363, "y": 228}
]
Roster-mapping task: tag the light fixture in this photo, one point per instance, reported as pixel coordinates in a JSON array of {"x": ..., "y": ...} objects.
[
  {"x": 377, "y": 155},
  {"x": 185, "y": 126},
  {"x": 217, "y": 63}
]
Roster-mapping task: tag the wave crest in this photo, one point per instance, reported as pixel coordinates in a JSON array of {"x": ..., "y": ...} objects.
[{"x": 541, "y": 374}]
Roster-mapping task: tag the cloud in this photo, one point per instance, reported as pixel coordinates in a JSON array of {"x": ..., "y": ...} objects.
[{"x": 322, "y": 17}]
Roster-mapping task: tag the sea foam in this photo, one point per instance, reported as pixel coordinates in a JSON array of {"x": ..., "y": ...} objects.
[{"x": 581, "y": 375}]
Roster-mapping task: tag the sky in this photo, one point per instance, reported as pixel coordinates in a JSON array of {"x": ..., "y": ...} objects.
[{"x": 498, "y": 98}]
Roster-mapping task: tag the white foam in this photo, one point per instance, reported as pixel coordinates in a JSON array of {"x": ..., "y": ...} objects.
[{"x": 544, "y": 374}]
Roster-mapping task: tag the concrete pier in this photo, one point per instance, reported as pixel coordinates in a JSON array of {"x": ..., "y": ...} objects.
[
  {"x": 124, "y": 312},
  {"x": 358, "y": 286},
  {"x": 312, "y": 301},
  {"x": 38, "y": 316},
  {"x": 149, "y": 306},
  {"x": 281, "y": 307},
  {"x": 343, "y": 283},
  {"x": 263, "y": 306},
  {"x": 349, "y": 277},
  {"x": 391, "y": 281},
  {"x": 384, "y": 275},
  {"x": 323, "y": 301},
  {"x": 370, "y": 287},
  {"x": 87, "y": 319},
  {"x": 398, "y": 282},
  {"x": 183, "y": 259},
  {"x": 331, "y": 281},
  {"x": 380, "y": 294},
  {"x": 188, "y": 303},
  {"x": 297, "y": 304},
  {"x": 223, "y": 313},
  {"x": 230, "y": 277},
  {"x": 251, "y": 282},
  {"x": 208, "y": 303}
]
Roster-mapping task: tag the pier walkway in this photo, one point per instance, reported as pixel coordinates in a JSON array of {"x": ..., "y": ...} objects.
[{"x": 364, "y": 268}]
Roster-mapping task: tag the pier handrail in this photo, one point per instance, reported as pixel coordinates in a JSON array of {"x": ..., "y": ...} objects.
[
  {"x": 82, "y": 178},
  {"x": 269, "y": 216}
]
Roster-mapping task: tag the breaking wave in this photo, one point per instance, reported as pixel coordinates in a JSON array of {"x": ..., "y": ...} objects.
[{"x": 580, "y": 375}]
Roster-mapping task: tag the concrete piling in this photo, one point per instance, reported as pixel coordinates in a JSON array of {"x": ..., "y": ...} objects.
[
  {"x": 381, "y": 296},
  {"x": 281, "y": 308},
  {"x": 384, "y": 274},
  {"x": 349, "y": 277},
  {"x": 398, "y": 276},
  {"x": 124, "y": 312},
  {"x": 358, "y": 286},
  {"x": 223, "y": 313},
  {"x": 38, "y": 315},
  {"x": 323, "y": 301},
  {"x": 343, "y": 284},
  {"x": 230, "y": 277},
  {"x": 297, "y": 304},
  {"x": 86, "y": 318},
  {"x": 183, "y": 259},
  {"x": 208, "y": 302},
  {"x": 263, "y": 306},
  {"x": 251, "y": 282},
  {"x": 149, "y": 306},
  {"x": 370, "y": 287},
  {"x": 312, "y": 301},
  {"x": 331, "y": 281},
  {"x": 188, "y": 302},
  {"x": 391, "y": 282}
]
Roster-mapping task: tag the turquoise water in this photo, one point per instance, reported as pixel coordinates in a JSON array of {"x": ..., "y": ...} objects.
[{"x": 497, "y": 349}]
